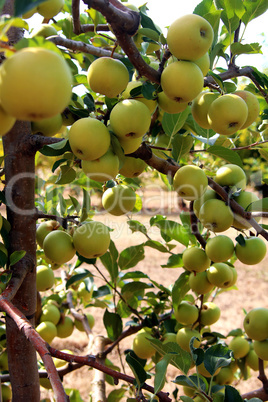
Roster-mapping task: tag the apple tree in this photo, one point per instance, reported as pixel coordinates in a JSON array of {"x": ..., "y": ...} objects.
[{"x": 92, "y": 103}]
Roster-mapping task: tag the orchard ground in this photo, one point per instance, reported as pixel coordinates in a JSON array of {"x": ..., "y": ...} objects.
[{"x": 252, "y": 284}]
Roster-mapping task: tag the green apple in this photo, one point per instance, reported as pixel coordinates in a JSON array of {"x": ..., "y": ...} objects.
[
  {"x": 50, "y": 8},
  {"x": 89, "y": 139},
  {"x": 65, "y": 327},
  {"x": 4, "y": 361},
  {"x": 169, "y": 105},
  {"x": 44, "y": 278},
  {"x": 84, "y": 293},
  {"x": 252, "y": 252},
  {"x": 47, "y": 330},
  {"x": 252, "y": 360},
  {"x": 227, "y": 114},
  {"x": 79, "y": 325},
  {"x": 50, "y": 313},
  {"x": 132, "y": 167},
  {"x": 216, "y": 216},
  {"x": 210, "y": 313},
  {"x": 184, "y": 335},
  {"x": 150, "y": 103},
  {"x": 6, "y": 393},
  {"x": 208, "y": 195},
  {"x": 220, "y": 275},
  {"x": 200, "y": 106},
  {"x": 203, "y": 63},
  {"x": 169, "y": 337},
  {"x": 6, "y": 122},
  {"x": 58, "y": 247},
  {"x": 44, "y": 30},
  {"x": 67, "y": 118},
  {"x": 41, "y": 80},
  {"x": 182, "y": 81},
  {"x": 132, "y": 7},
  {"x": 131, "y": 144},
  {"x": 142, "y": 346},
  {"x": 203, "y": 371},
  {"x": 45, "y": 383},
  {"x": 44, "y": 228},
  {"x": 256, "y": 324},
  {"x": 186, "y": 313},
  {"x": 231, "y": 175},
  {"x": 189, "y": 37},
  {"x": 199, "y": 282},
  {"x": 102, "y": 169},
  {"x": 261, "y": 349},
  {"x": 225, "y": 376},
  {"x": 240, "y": 347},
  {"x": 245, "y": 198},
  {"x": 118, "y": 200},
  {"x": 190, "y": 182},
  {"x": 252, "y": 104},
  {"x": 107, "y": 76},
  {"x": 130, "y": 119},
  {"x": 91, "y": 239},
  {"x": 195, "y": 259},
  {"x": 219, "y": 248},
  {"x": 59, "y": 362},
  {"x": 29, "y": 14},
  {"x": 48, "y": 127}
]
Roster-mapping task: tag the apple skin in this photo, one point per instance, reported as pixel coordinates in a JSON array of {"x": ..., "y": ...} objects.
[
  {"x": 58, "y": 247},
  {"x": 190, "y": 182},
  {"x": 107, "y": 76},
  {"x": 47, "y": 330},
  {"x": 227, "y": 114},
  {"x": 84, "y": 293},
  {"x": 141, "y": 345},
  {"x": 102, "y": 169},
  {"x": 44, "y": 228},
  {"x": 210, "y": 313},
  {"x": 130, "y": 119},
  {"x": 252, "y": 104},
  {"x": 130, "y": 145},
  {"x": 203, "y": 63},
  {"x": 231, "y": 175},
  {"x": 219, "y": 248},
  {"x": 41, "y": 80},
  {"x": 252, "y": 252},
  {"x": 7, "y": 122},
  {"x": 169, "y": 337},
  {"x": 6, "y": 393},
  {"x": 89, "y": 139},
  {"x": 169, "y": 105},
  {"x": 256, "y": 324},
  {"x": 150, "y": 103},
  {"x": 240, "y": 347},
  {"x": 186, "y": 313},
  {"x": 48, "y": 127},
  {"x": 195, "y": 259},
  {"x": 50, "y": 8},
  {"x": 132, "y": 167},
  {"x": 252, "y": 360},
  {"x": 44, "y": 30},
  {"x": 79, "y": 325},
  {"x": 91, "y": 239},
  {"x": 199, "y": 283},
  {"x": 225, "y": 376},
  {"x": 216, "y": 216},
  {"x": 261, "y": 349},
  {"x": 3, "y": 361},
  {"x": 244, "y": 199},
  {"x": 44, "y": 278},
  {"x": 220, "y": 275},
  {"x": 184, "y": 335},
  {"x": 203, "y": 371},
  {"x": 182, "y": 81},
  {"x": 208, "y": 195},
  {"x": 119, "y": 200},
  {"x": 189, "y": 37},
  {"x": 200, "y": 106},
  {"x": 50, "y": 313}
]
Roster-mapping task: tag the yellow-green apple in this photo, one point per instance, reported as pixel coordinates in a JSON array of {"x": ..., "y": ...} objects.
[
  {"x": 6, "y": 393},
  {"x": 29, "y": 14},
  {"x": 189, "y": 37},
  {"x": 48, "y": 127},
  {"x": 58, "y": 247},
  {"x": 200, "y": 106},
  {"x": 252, "y": 359},
  {"x": 261, "y": 349},
  {"x": 208, "y": 195},
  {"x": 210, "y": 313},
  {"x": 107, "y": 76},
  {"x": 6, "y": 122},
  {"x": 44, "y": 30},
  {"x": 186, "y": 313},
  {"x": 190, "y": 182},
  {"x": 3, "y": 361},
  {"x": 252, "y": 252},
  {"x": 102, "y": 169},
  {"x": 84, "y": 292},
  {"x": 256, "y": 324},
  {"x": 199, "y": 282},
  {"x": 142, "y": 346},
  {"x": 169, "y": 105},
  {"x": 131, "y": 7},
  {"x": 79, "y": 324},
  {"x": 45, "y": 383},
  {"x": 132, "y": 167},
  {"x": 252, "y": 104},
  {"x": 169, "y": 337},
  {"x": 130, "y": 145},
  {"x": 245, "y": 198},
  {"x": 47, "y": 330},
  {"x": 203, "y": 63},
  {"x": 67, "y": 118},
  {"x": 44, "y": 228},
  {"x": 219, "y": 248},
  {"x": 91, "y": 239},
  {"x": 150, "y": 103},
  {"x": 118, "y": 200},
  {"x": 44, "y": 277},
  {"x": 50, "y": 8},
  {"x": 227, "y": 114},
  {"x": 216, "y": 216},
  {"x": 35, "y": 83},
  {"x": 240, "y": 347},
  {"x": 182, "y": 81},
  {"x": 195, "y": 259},
  {"x": 50, "y": 313},
  {"x": 225, "y": 376},
  {"x": 203, "y": 371},
  {"x": 231, "y": 175},
  {"x": 220, "y": 275},
  {"x": 184, "y": 335},
  {"x": 130, "y": 119},
  {"x": 65, "y": 327},
  {"x": 59, "y": 362},
  {"x": 89, "y": 138}
]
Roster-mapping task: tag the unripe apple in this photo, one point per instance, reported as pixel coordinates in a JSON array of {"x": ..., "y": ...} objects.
[
  {"x": 102, "y": 169},
  {"x": 84, "y": 293},
  {"x": 208, "y": 195},
  {"x": 48, "y": 127},
  {"x": 45, "y": 383},
  {"x": 220, "y": 275},
  {"x": 118, "y": 200},
  {"x": 225, "y": 376},
  {"x": 227, "y": 114},
  {"x": 169, "y": 105},
  {"x": 65, "y": 327},
  {"x": 169, "y": 337},
  {"x": 41, "y": 81},
  {"x": 210, "y": 313},
  {"x": 203, "y": 371},
  {"x": 199, "y": 283},
  {"x": 142, "y": 346},
  {"x": 261, "y": 349},
  {"x": 252, "y": 104},
  {"x": 195, "y": 259},
  {"x": 245, "y": 198},
  {"x": 150, "y": 103},
  {"x": 44, "y": 228},
  {"x": 252, "y": 252},
  {"x": 6, "y": 393},
  {"x": 44, "y": 278},
  {"x": 252, "y": 360},
  {"x": 189, "y": 37},
  {"x": 50, "y": 313},
  {"x": 219, "y": 248},
  {"x": 131, "y": 144},
  {"x": 182, "y": 81},
  {"x": 132, "y": 167},
  {"x": 184, "y": 335},
  {"x": 107, "y": 76},
  {"x": 130, "y": 119},
  {"x": 59, "y": 362},
  {"x": 29, "y": 14},
  {"x": 89, "y": 138},
  {"x": 79, "y": 325},
  {"x": 58, "y": 247},
  {"x": 200, "y": 106},
  {"x": 186, "y": 313},
  {"x": 6, "y": 122},
  {"x": 256, "y": 324},
  {"x": 240, "y": 347},
  {"x": 190, "y": 182},
  {"x": 91, "y": 239},
  {"x": 231, "y": 175},
  {"x": 3, "y": 361},
  {"x": 216, "y": 216},
  {"x": 47, "y": 330},
  {"x": 203, "y": 63},
  {"x": 44, "y": 30},
  {"x": 50, "y": 8}
]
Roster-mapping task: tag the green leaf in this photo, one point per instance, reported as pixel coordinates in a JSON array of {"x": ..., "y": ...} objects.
[
  {"x": 134, "y": 287},
  {"x": 217, "y": 79},
  {"x": 217, "y": 356},
  {"x": 67, "y": 175},
  {"x": 131, "y": 256},
  {"x": 110, "y": 265},
  {"x": 136, "y": 226},
  {"x": 85, "y": 205},
  {"x": 172, "y": 123},
  {"x": 137, "y": 369},
  {"x": 227, "y": 154},
  {"x": 156, "y": 245},
  {"x": 232, "y": 395},
  {"x": 186, "y": 398},
  {"x": 160, "y": 373},
  {"x": 16, "y": 256},
  {"x": 74, "y": 395},
  {"x": 174, "y": 231},
  {"x": 59, "y": 148},
  {"x": 250, "y": 48},
  {"x": 207, "y": 10},
  {"x": 147, "y": 22},
  {"x": 23, "y": 6},
  {"x": 191, "y": 381},
  {"x": 174, "y": 261},
  {"x": 116, "y": 395},
  {"x": 3, "y": 258},
  {"x": 254, "y": 9},
  {"x": 181, "y": 146},
  {"x": 82, "y": 274},
  {"x": 113, "y": 325},
  {"x": 180, "y": 288},
  {"x": 75, "y": 203}
]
